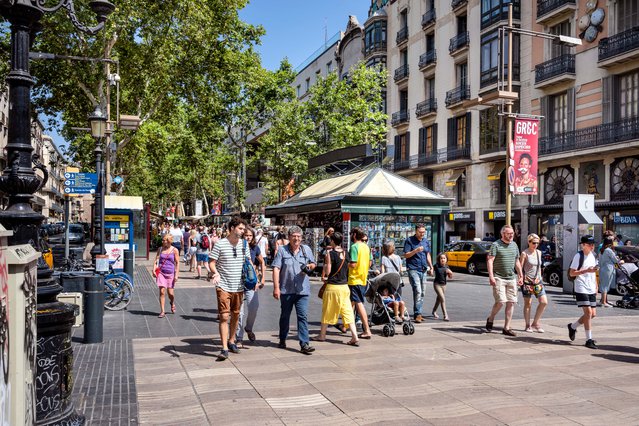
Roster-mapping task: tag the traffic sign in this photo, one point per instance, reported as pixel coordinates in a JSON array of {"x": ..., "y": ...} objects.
[
  {"x": 80, "y": 183},
  {"x": 118, "y": 180}
]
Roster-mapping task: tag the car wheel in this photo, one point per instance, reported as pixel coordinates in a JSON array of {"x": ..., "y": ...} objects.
[
  {"x": 554, "y": 279},
  {"x": 471, "y": 267}
]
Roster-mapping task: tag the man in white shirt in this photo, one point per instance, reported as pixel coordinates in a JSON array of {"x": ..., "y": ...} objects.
[{"x": 583, "y": 268}]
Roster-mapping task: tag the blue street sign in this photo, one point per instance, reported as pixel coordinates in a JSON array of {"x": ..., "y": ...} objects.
[
  {"x": 118, "y": 180},
  {"x": 80, "y": 183}
]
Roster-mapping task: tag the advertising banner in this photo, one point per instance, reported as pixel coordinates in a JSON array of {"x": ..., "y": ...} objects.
[{"x": 524, "y": 157}]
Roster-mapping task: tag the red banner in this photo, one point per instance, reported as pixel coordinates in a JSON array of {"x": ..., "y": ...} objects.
[{"x": 524, "y": 157}]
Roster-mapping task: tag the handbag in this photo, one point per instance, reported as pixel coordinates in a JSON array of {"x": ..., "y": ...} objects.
[
  {"x": 159, "y": 268},
  {"x": 249, "y": 276},
  {"x": 320, "y": 293}
]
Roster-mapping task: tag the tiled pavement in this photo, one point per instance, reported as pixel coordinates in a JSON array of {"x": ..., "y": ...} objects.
[{"x": 444, "y": 374}]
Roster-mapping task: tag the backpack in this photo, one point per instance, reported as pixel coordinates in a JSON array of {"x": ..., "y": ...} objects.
[
  {"x": 206, "y": 243},
  {"x": 581, "y": 263}
]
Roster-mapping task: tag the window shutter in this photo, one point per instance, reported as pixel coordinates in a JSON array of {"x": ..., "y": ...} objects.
[
  {"x": 434, "y": 137},
  {"x": 546, "y": 122},
  {"x": 607, "y": 95},
  {"x": 468, "y": 127},
  {"x": 451, "y": 132},
  {"x": 422, "y": 140},
  {"x": 570, "y": 108},
  {"x": 398, "y": 148},
  {"x": 407, "y": 142}
]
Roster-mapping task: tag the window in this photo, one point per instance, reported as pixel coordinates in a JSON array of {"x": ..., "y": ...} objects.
[
  {"x": 402, "y": 147},
  {"x": 559, "y": 115},
  {"x": 459, "y": 132},
  {"x": 429, "y": 85},
  {"x": 403, "y": 100},
  {"x": 627, "y": 14},
  {"x": 629, "y": 95},
  {"x": 403, "y": 57},
  {"x": 375, "y": 37},
  {"x": 491, "y": 131},
  {"x": 427, "y": 139},
  {"x": 460, "y": 138},
  {"x": 462, "y": 24},
  {"x": 428, "y": 181},
  {"x": 430, "y": 42},
  {"x": 318, "y": 74},
  {"x": 490, "y": 58},
  {"x": 403, "y": 19},
  {"x": 299, "y": 90},
  {"x": 461, "y": 190},
  {"x": 496, "y": 10},
  {"x": 461, "y": 71},
  {"x": 329, "y": 67},
  {"x": 307, "y": 86},
  {"x": 556, "y": 49}
]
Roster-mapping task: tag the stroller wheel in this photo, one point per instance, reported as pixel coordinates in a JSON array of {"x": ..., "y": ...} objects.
[
  {"x": 411, "y": 329},
  {"x": 406, "y": 329},
  {"x": 386, "y": 330},
  {"x": 392, "y": 331},
  {"x": 620, "y": 303}
]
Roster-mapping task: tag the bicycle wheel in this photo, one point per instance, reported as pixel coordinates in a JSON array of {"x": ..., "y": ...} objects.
[{"x": 118, "y": 293}]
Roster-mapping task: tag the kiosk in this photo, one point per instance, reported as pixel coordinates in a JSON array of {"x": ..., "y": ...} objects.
[{"x": 125, "y": 228}]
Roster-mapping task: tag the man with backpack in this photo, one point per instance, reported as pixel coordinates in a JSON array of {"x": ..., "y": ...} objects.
[
  {"x": 583, "y": 270},
  {"x": 202, "y": 254}
]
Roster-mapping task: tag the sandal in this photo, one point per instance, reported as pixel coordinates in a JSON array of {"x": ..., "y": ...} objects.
[
  {"x": 435, "y": 315},
  {"x": 361, "y": 336},
  {"x": 250, "y": 335},
  {"x": 162, "y": 315},
  {"x": 446, "y": 319},
  {"x": 317, "y": 339},
  {"x": 353, "y": 343},
  {"x": 538, "y": 329},
  {"x": 172, "y": 308}
]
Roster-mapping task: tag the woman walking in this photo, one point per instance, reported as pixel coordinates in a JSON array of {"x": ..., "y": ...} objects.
[
  {"x": 442, "y": 273},
  {"x": 192, "y": 243},
  {"x": 248, "y": 311},
  {"x": 166, "y": 270},
  {"x": 607, "y": 273},
  {"x": 531, "y": 264},
  {"x": 336, "y": 300},
  {"x": 391, "y": 262}
]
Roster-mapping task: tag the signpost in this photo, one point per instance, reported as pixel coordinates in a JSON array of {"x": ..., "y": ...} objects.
[{"x": 80, "y": 183}]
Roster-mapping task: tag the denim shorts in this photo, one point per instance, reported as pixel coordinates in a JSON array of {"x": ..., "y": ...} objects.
[
  {"x": 527, "y": 294},
  {"x": 357, "y": 293}
]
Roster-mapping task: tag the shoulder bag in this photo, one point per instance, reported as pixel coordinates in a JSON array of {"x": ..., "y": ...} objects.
[
  {"x": 320, "y": 293},
  {"x": 249, "y": 276}
]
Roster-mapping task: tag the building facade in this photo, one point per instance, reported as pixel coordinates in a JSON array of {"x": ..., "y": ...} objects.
[{"x": 52, "y": 191}]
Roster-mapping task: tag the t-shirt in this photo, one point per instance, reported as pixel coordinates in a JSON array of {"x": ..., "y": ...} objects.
[
  {"x": 418, "y": 261},
  {"x": 255, "y": 251},
  {"x": 292, "y": 279},
  {"x": 392, "y": 263},
  {"x": 440, "y": 274},
  {"x": 361, "y": 255},
  {"x": 229, "y": 264},
  {"x": 505, "y": 257},
  {"x": 262, "y": 243},
  {"x": 585, "y": 283},
  {"x": 177, "y": 235}
]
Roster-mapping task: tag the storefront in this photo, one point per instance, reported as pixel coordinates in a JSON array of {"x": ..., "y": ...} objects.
[
  {"x": 497, "y": 219},
  {"x": 463, "y": 224},
  {"x": 385, "y": 205}
]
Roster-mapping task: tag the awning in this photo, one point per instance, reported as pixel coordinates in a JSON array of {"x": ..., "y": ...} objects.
[
  {"x": 452, "y": 180},
  {"x": 123, "y": 202},
  {"x": 496, "y": 171},
  {"x": 590, "y": 218}
]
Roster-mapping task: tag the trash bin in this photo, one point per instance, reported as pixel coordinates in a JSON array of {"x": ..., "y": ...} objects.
[
  {"x": 128, "y": 262},
  {"x": 73, "y": 281}
]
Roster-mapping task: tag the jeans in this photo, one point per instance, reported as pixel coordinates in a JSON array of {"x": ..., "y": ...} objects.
[
  {"x": 417, "y": 281},
  {"x": 247, "y": 319},
  {"x": 287, "y": 301}
]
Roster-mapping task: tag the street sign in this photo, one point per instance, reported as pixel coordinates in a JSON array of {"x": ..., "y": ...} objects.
[{"x": 80, "y": 183}]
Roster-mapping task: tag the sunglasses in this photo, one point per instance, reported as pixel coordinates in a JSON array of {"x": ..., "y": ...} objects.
[
  {"x": 535, "y": 243},
  {"x": 234, "y": 252}
]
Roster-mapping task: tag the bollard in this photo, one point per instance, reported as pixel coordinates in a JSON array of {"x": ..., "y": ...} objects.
[
  {"x": 128, "y": 262},
  {"x": 94, "y": 309}
]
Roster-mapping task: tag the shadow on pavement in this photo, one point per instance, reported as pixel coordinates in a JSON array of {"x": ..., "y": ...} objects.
[
  {"x": 617, "y": 348},
  {"x": 618, "y": 358},
  {"x": 147, "y": 313},
  {"x": 541, "y": 340},
  {"x": 470, "y": 329}
]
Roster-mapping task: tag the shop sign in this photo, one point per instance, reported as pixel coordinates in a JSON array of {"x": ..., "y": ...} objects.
[
  {"x": 116, "y": 218},
  {"x": 491, "y": 215},
  {"x": 461, "y": 216},
  {"x": 626, "y": 219}
]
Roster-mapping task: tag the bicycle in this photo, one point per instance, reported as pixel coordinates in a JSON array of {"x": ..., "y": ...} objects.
[{"x": 118, "y": 289}]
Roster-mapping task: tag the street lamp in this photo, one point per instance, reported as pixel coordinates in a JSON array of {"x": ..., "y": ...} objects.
[{"x": 98, "y": 122}]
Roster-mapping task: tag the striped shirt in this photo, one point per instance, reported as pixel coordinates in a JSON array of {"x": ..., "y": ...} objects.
[
  {"x": 228, "y": 262},
  {"x": 505, "y": 258}
]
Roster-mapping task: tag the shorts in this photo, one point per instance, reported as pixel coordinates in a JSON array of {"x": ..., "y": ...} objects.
[
  {"x": 584, "y": 299},
  {"x": 357, "y": 293},
  {"x": 505, "y": 290},
  {"x": 528, "y": 294},
  {"x": 202, "y": 257},
  {"x": 229, "y": 301}
]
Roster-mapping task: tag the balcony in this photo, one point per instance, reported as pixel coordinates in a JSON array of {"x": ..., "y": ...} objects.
[
  {"x": 499, "y": 12},
  {"x": 427, "y": 158},
  {"x": 619, "y": 48},
  {"x": 457, "y": 95},
  {"x": 591, "y": 137},
  {"x": 428, "y": 19},
  {"x": 401, "y": 73},
  {"x": 556, "y": 70},
  {"x": 459, "y": 42},
  {"x": 453, "y": 153},
  {"x": 399, "y": 118},
  {"x": 402, "y": 36},
  {"x": 427, "y": 59},
  {"x": 399, "y": 164},
  {"x": 378, "y": 47},
  {"x": 550, "y": 9},
  {"x": 425, "y": 108},
  {"x": 457, "y": 4}
]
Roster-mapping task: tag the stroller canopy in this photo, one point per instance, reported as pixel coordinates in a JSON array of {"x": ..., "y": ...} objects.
[{"x": 389, "y": 279}]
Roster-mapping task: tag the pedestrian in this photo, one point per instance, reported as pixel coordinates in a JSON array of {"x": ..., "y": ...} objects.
[
  {"x": 391, "y": 262},
  {"x": 186, "y": 236},
  {"x": 291, "y": 286},
  {"x": 583, "y": 268},
  {"x": 326, "y": 242},
  {"x": 336, "y": 299},
  {"x": 419, "y": 263},
  {"x": 280, "y": 239},
  {"x": 607, "y": 272},
  {"x": 166, "y": 270},
  {"x": 442, "y": 273},
  {"x": 359, "y": 261},
  {"x": 251, "y": 303},
  {"x": 262, "y": 243},
  {"x": 178, "y": 237},
  {"x": 530, "y": 260},
  {"x": 628, "y": 242},
  {"x": 504, "y": 275},
  {"x": 203, "y": 244},
  {"x": 192, "y": 244},
  {"x": 226, "y": 261}
]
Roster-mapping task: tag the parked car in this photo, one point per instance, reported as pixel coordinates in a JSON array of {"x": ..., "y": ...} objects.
[
  {"x": 76, "y": 236},
  {"x": 468, "y": 255}
]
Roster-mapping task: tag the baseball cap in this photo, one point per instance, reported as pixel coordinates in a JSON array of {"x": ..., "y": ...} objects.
[{"x": 587, "y": 239}]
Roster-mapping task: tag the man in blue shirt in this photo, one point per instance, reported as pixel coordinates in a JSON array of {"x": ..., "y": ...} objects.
[
  {"x": 418, "y": 262},
  {"x": 292, "y": 287}
]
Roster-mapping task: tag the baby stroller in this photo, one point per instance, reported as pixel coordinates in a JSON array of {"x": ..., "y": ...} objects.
[
  {"x": 627, "y": 285},
  {"x": 380, "y": 313}
]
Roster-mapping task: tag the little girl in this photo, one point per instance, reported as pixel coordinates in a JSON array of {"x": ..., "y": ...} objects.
[
  {"x": 395, "y": 303},
  {"x": 442, "y": 273}
]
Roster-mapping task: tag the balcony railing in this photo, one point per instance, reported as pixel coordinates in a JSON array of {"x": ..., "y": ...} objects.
[
  {"x": 401, "y": 164},
  {"x": 591, "y": 137},
  {"x": 427, "y": 58},
  {"x": 564, "y": 64},
  {"x": 453, "y": 153},
  {"x": 546, "y": 6},
  {"x": 457, "y": 3},
  {"x": 377, "y": 47},
  {"x": 429, "y": 18},
  {"x": 401, "y": 73},
  {"x": 457, "y": 95},
  {"x": 459, "y": 41},
  {"x": 400, "y": 117},
  {"x": 426, "y": 107},
  {"x": 619, "y": 43},
  {"x": 427, "y": 158},
  {"x": 402, "y": 35}
]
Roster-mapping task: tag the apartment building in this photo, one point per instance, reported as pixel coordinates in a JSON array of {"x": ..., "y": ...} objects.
[{"x": 52, "y": 191}]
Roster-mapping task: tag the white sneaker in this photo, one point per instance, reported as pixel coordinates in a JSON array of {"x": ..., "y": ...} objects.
[{"x": 606, "y": 305}]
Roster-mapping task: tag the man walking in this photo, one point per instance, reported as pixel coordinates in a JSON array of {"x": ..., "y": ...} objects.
[
  {"x": 418, "y": 262},
  {"x": 226, "y": 261},
  {"x": 502, "y": 262},
  {"x": 291, "y": 286},
  {"x": 583, "y": 268},
  {"x": 359, "y": 262},
  {"x": 203, "y": 240}
]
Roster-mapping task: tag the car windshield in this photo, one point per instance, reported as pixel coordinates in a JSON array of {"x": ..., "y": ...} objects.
[
  {"x": 76, "y": 229},
  {"x": 485, "y": 246}
]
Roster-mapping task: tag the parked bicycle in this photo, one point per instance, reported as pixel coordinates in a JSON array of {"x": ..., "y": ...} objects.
[{"x": 118, "y": 289}]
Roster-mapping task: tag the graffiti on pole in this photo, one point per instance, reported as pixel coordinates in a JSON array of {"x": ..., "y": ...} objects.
[{"x": 5, "y": 391}]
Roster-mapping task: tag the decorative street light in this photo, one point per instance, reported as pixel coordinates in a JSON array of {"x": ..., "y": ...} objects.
[
  {"x": 19, "y": 182},
  {"x": 98, "y": 122}
]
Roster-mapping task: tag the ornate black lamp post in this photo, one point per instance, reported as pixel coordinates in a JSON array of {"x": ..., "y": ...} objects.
[
  {"x": 98, "y": 123},
  {"x": 19, "y": 182}
]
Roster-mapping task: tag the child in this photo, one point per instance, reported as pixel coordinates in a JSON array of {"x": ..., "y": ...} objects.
[
  {"x": 442, "y": 273},
  {"x": 397, "y": 304}
]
